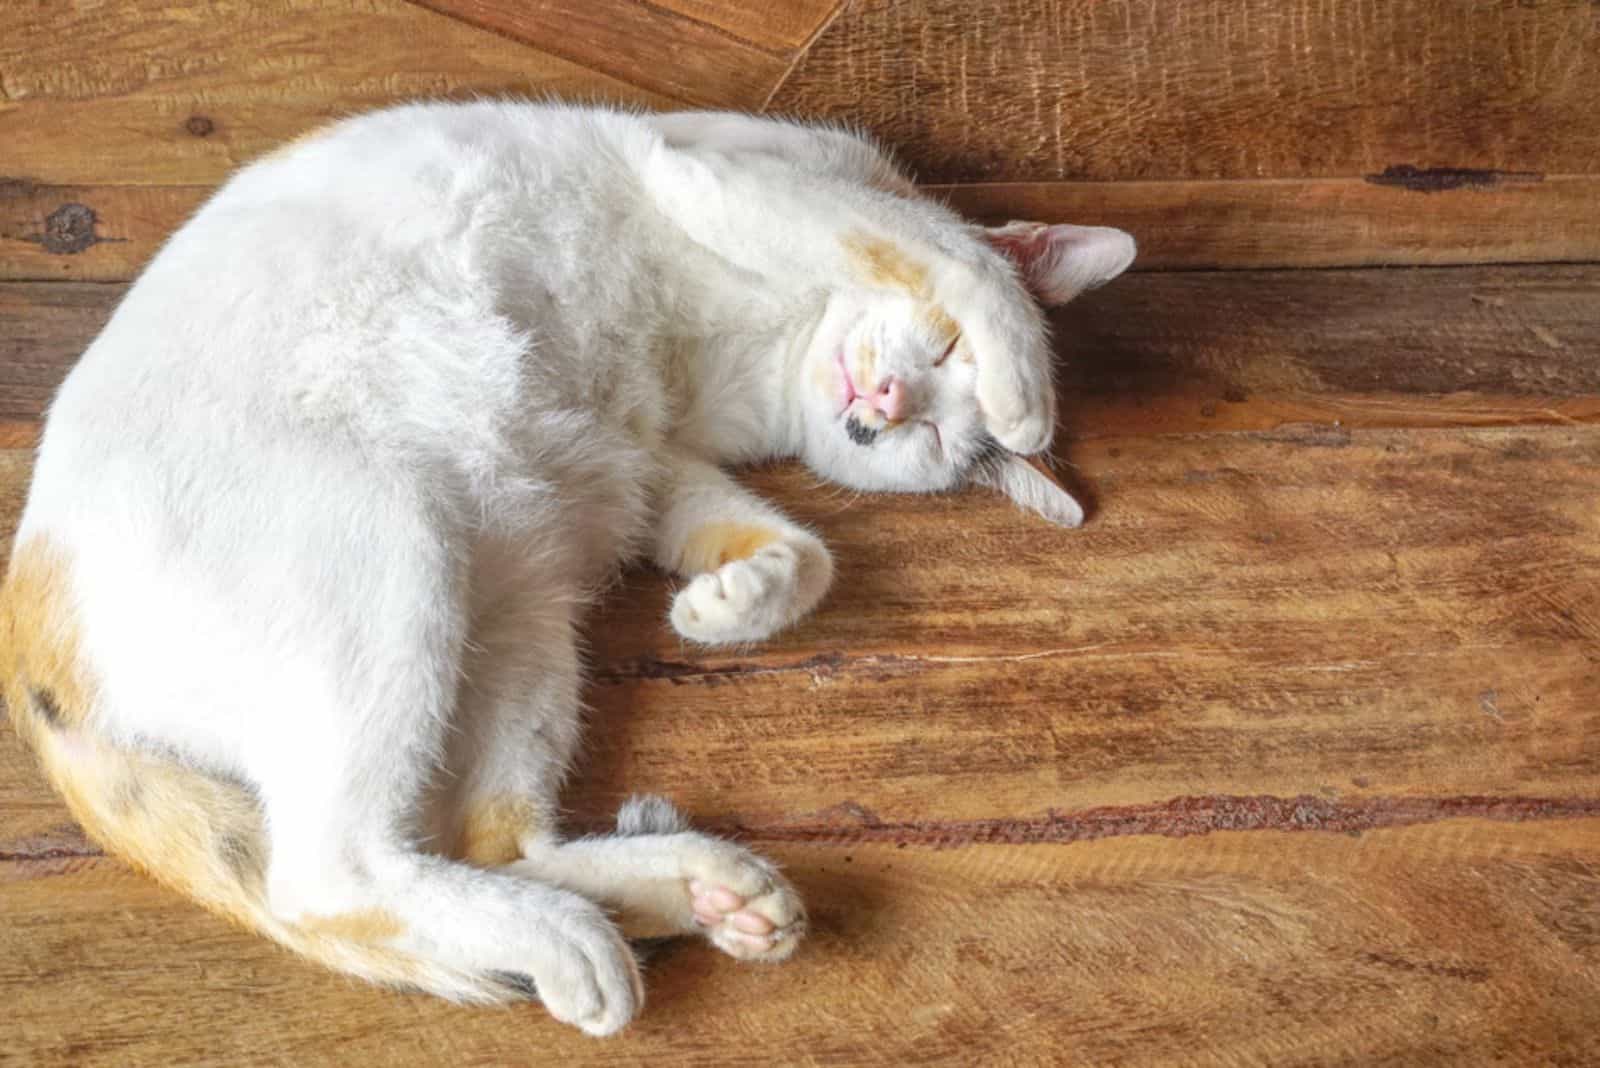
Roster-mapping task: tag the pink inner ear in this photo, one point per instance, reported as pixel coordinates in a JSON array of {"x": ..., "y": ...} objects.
[{"x": 1021, "y": 242}]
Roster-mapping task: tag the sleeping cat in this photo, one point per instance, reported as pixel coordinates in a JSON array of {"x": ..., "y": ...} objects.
[{"x": 290, "y": 617}]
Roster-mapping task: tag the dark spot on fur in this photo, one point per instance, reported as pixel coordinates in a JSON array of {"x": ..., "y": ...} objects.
[
  {"x": 44, "y": 705},
  {"x": 518, "y": 984},
  {"x": 861, "y": 435},
  {"x": 1445, "y": 179},
  {"x": 236, "y": 852},
  {"x": 1235, "y": 395},
  {"x": 200, "y": 126}
]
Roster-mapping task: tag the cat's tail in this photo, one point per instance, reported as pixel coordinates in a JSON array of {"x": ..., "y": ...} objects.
[{"x": 201, "y": 834}]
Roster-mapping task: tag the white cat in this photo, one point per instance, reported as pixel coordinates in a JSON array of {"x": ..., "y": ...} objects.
[{"x": 290, "y": 615}]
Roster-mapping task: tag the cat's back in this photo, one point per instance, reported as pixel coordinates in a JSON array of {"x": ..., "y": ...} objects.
[{"x": 356, "y": 283}]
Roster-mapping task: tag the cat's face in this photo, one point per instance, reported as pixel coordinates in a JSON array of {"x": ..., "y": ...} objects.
[
  {"x": 889, "y": 395},
  {"x": 892, "y": 388}
]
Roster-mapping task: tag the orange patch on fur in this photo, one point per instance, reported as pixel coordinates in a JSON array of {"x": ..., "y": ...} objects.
[
  {"x": 867, "y": 364},
  {"x": 362, "y": 926},
  {"x": 492, "y": 832},
  {"x": 884, "y": 264},
  {"x": 44, "y": 684},
  {"x": 715, "y": 544},
  {"x": 939, "y": 323},
  {"x": 199, "y": 835}
]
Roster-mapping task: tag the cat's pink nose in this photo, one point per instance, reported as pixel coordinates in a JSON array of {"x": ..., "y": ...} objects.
[{"x": 890, "y": 399}]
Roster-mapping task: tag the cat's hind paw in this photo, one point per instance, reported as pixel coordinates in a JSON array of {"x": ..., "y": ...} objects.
[
  {"x": 751, "y": 599},
  {"x": 765, "y": 924}
]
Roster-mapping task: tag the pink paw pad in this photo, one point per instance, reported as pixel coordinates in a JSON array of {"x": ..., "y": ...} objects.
[{"x": 714, "y": 905}]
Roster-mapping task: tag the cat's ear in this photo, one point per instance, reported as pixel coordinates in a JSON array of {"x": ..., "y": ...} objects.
[
  {"x": 1059, "y": 262},
  {"x": 1029, "y": 482}
]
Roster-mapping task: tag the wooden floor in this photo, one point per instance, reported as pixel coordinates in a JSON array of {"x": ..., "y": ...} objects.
[{"x": 1290, "y": 756}]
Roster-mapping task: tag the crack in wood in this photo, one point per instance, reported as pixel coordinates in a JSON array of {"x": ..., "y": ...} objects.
[
  {"x": 1448, "y": 179},
  {"x": 1178, "y": 817},
  {"x": 882, "y": 665}
]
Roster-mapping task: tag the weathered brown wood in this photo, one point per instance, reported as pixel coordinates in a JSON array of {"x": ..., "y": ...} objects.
[
  {"x": 1457, "y": 943},
  {"x": 776, "y": 27},
  {"x": 1323, "y": 222},
  {"x": 87, "y": 233},
  {"x": 44, "y": 234},
  {"x": 165, "y": 93},
  {"x": 44, "y": 328},
  {"x": 1120, "y": 89},
  {"x": 639, "y": 43},
  {"x": 1258, "y": 350},
  {"x": 1173, "y": 353},
  {"x": 1290, "y": 756}
]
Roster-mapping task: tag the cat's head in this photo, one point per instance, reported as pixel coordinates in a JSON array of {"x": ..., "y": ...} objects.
[{"x": 934, "y": 370}]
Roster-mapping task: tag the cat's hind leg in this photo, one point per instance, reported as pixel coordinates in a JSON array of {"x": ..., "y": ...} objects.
[
  {"x": 350, "y": 879},
  {"x": 497, "y": 802},
  {"x": 662, "y": 878}
]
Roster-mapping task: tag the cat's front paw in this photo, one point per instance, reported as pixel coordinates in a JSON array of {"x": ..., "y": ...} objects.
[{"x": 750, "y": 599}]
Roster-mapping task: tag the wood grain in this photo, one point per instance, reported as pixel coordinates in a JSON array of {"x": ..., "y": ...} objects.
[
  {"x": 161, "y": 93},
  {"x": 1290, "y": 756},
  {"x": 776, "y": 27},
  {"x": 1458, "y": 943},
  {"x": 1127, "y": 89},
  {"x": 44, "y": 328},
  {"x": 1321, "y": 222},
  {"x": 642, "y": 44},
  {"x": 1263, "y": 350},
  {"x": 1180, "y": 225},
  {"x": 87, "y": 233}
]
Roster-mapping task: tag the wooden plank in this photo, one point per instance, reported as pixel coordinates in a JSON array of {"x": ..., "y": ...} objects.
[
  {"x": 87, "y": 233},
  {"x": 639, "y": 43},
  {"x": 1337, "y": 617},
  {"x": 1458, "y": 943},
  {"x": 1174, "y": 353},
  {"x": 1259, "y": 350},
  {"x": 44, "y": 327},
  {"x": 780, "y": 28},
  {"x": 181, "y": 93},
  {"x": 1342, "y": 618},
  {"x": 1324, "y": 222},
  {"x": 1124, "y": 89}
]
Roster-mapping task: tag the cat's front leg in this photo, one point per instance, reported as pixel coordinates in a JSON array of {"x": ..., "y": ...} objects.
[{"x": 752, "y": 571}]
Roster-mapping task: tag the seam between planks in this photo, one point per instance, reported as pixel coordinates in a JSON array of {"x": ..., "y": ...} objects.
[{"x": 1178, "y": 817}]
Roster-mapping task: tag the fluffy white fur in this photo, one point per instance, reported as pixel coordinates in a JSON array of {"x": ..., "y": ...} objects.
[{"x": 377, "y": 423}]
